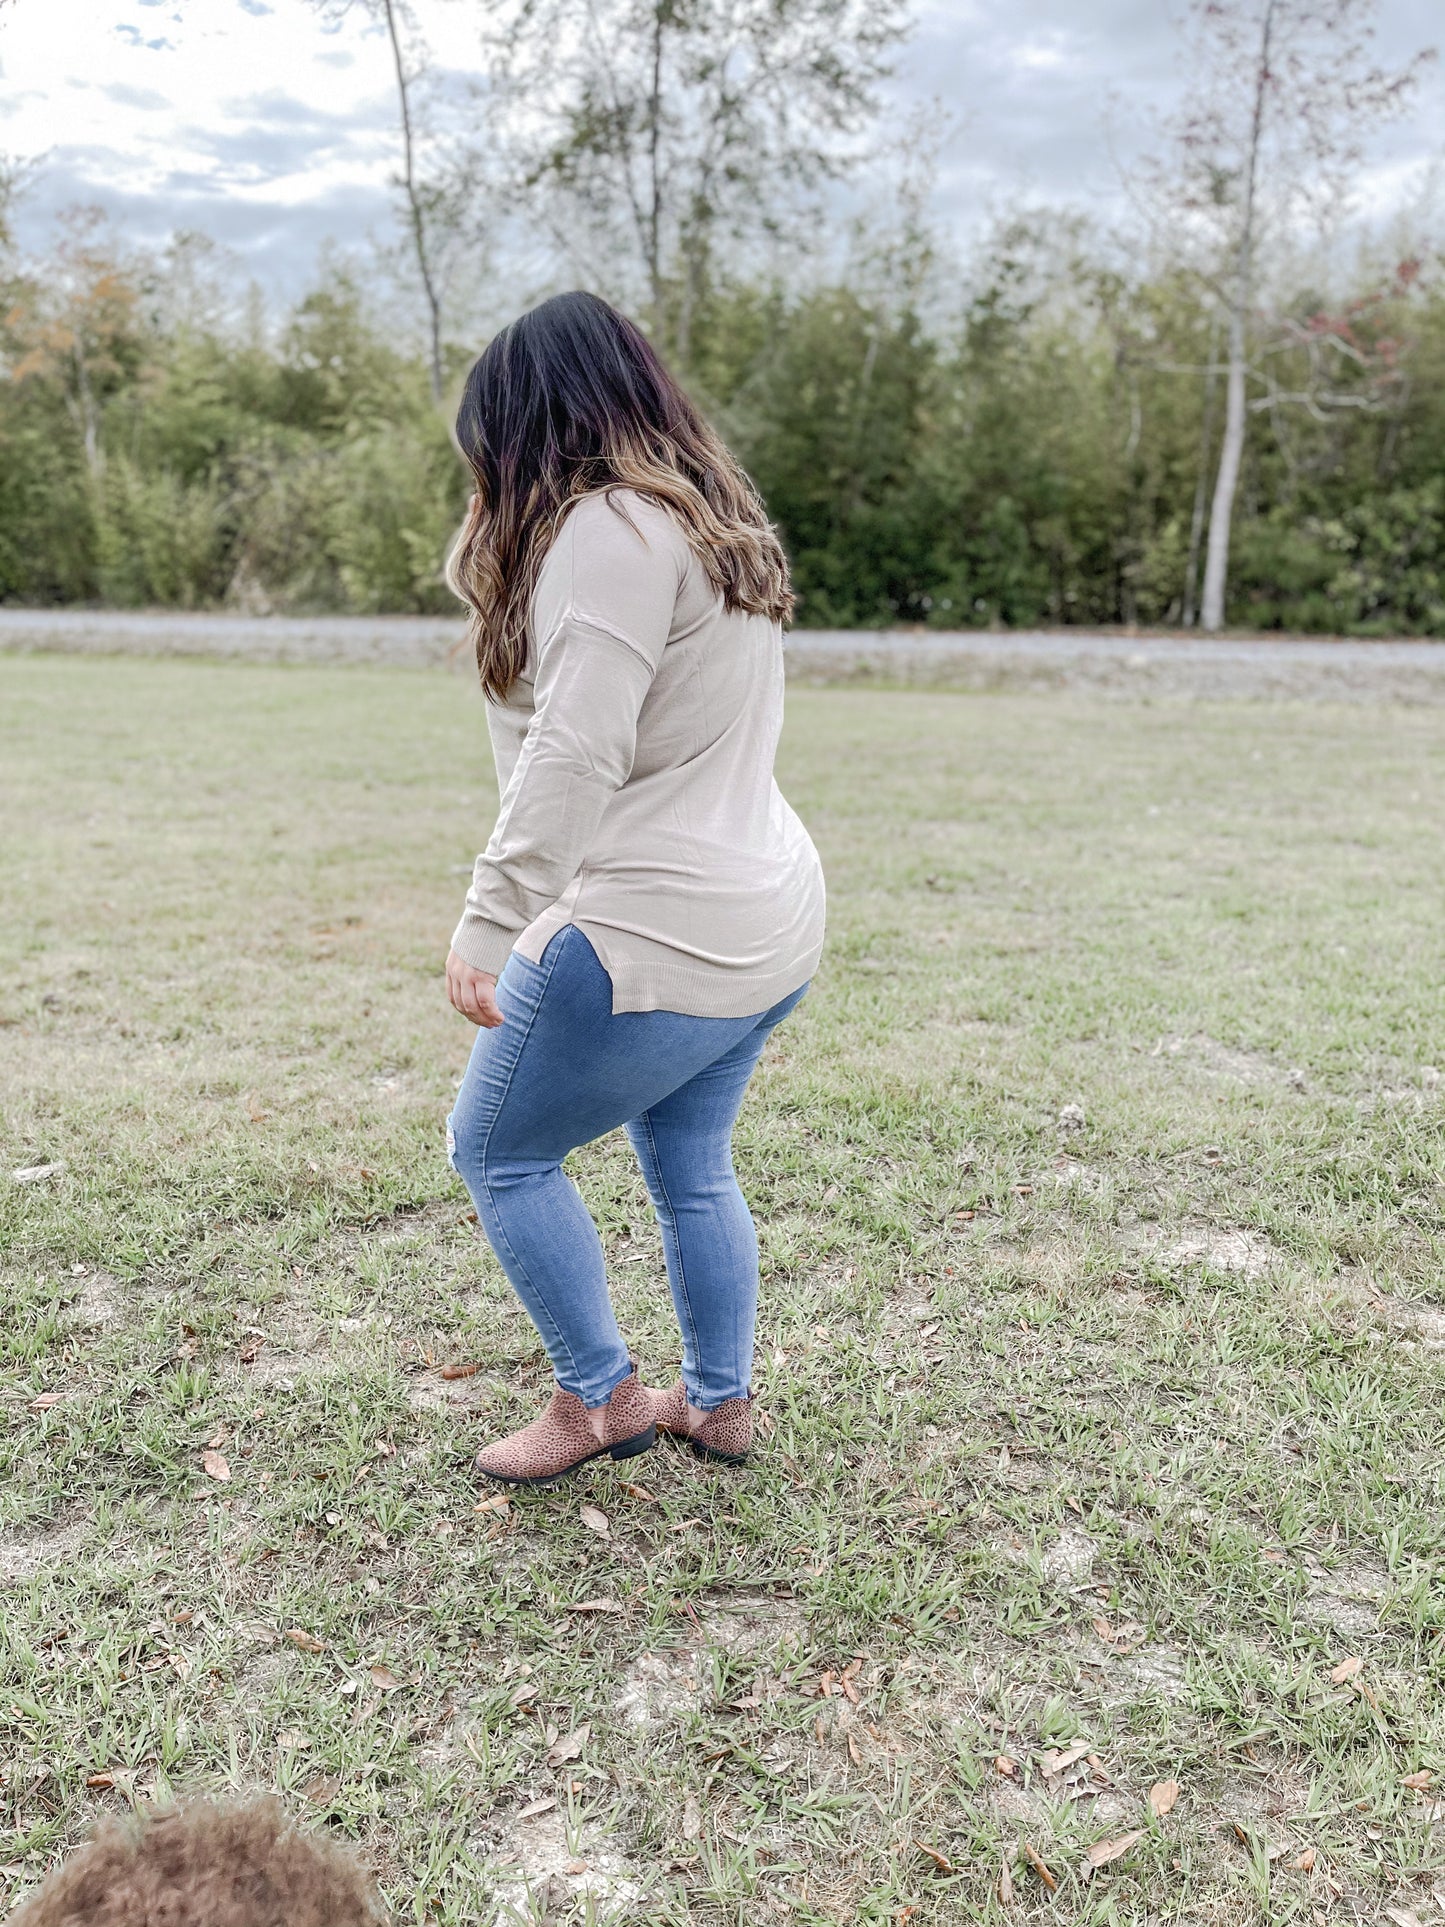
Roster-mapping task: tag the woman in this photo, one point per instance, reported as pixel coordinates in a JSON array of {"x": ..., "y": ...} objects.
[{"x": 648, "y": 907}]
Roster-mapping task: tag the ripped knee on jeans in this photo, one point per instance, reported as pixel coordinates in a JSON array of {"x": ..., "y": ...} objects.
[{"x": 451, "y": 1143}]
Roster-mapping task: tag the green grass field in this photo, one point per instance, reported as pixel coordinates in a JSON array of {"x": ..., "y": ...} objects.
[{"x": 1103, "y": 1446}]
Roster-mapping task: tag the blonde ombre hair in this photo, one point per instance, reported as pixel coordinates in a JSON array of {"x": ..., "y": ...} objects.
[{"x": 569, "y": 400}]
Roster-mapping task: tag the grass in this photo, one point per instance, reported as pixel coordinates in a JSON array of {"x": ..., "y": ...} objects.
[{"x": 1116, "y": 1428}]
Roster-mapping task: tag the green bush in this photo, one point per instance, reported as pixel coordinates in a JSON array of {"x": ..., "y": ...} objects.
[{"x": 1033, "y": 457}]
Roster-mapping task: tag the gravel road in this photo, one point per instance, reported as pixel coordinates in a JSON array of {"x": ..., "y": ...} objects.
[{"x": 1107, "y": 665}]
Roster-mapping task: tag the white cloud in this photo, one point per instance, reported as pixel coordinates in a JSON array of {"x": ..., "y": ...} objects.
[
  {"x": 260, "y": 123},
  {"x": 1044, "y": 53}
]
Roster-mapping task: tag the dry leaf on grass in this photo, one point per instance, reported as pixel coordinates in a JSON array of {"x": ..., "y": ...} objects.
[
  {"x": 595, "y": 1606},
  {"x": 459, "y": 1371},
  {"x": 1123, "y": 1638},
  {"x": 1404, "y": 1917},
  {"x": 1036, "y": 1861},
  {"x": 1007, "y": 1768},
  {"x": 308, "y": 1642},
  {"x": 526, "y": 1691},
  {"x": 571, "y": 1747},
  {"x": 1421, "y": 1779},
  {"x": 1055, "y": 1760},
  {"x": 46, "y": 1401},
  {"x": 321, "y": 1789},
  {"x": 1346, "y": 1669},
  {"x": 385, "y": 1678},
  {"x": 1162, "y": 1796},
  {"x": 537, "y": 1806},
  {"x": 1305, "y": 1862},
  {"x": 596, "y": 1521},
  {"x": 1104, "y": 1851},
  {"x": 691, "y": 1818},
  {"x": 216, "y": 1464},
  {"x": 291, "y": 1741},
  {"x": 1005, "y": 1885},
  {"x": 940, "y": 1860},
  {"x": 639, "y": 1492}
]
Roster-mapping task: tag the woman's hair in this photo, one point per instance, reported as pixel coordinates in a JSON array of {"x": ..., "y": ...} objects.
[
  {"x": 567, "y": 400},
  {"x": 242, "y": 1866}
]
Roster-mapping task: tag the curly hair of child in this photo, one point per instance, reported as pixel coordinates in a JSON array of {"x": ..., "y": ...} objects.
[{"x": 206, "y": 1865}]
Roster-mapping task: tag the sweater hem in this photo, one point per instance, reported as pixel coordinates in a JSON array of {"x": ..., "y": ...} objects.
[{"x": 690, "y": 992}]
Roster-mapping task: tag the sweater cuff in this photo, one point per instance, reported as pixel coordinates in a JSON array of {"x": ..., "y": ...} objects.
[{"x": 483, "y": 944}]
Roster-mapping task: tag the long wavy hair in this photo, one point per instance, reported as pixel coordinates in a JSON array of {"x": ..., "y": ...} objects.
[{"x": 569, "y": 400}]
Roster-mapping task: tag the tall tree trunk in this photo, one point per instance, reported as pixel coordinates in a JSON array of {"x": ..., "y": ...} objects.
[
  {"x": 1216, "y": 560},
  {"x": 1201, "y": 490},
  {"x": 414, "y": 205},
  {"x": 654, "y": 165},
  {"x": 86, "y": 415},
  {"x": 1221, "y": 509}
]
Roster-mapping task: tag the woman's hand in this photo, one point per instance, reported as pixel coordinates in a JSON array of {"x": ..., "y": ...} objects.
[{"x": 473, "y": 993}]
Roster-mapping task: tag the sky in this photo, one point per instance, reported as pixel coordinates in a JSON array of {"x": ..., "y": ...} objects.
[{"x": 257, "y": 123}]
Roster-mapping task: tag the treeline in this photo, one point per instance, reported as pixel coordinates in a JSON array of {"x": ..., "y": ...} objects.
[{"x": 1034, "y": 450}]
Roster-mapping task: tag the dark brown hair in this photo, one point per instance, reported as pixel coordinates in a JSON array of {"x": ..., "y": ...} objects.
[
  {"x": 206, "y": 1866},
  {"x": 568, "y": 400}
]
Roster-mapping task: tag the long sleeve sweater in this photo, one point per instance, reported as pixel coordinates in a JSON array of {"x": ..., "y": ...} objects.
[{"x": 635, "y": 764}]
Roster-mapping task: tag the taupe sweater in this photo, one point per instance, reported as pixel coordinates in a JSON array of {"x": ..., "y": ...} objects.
[{"x": 635, "y": 763}]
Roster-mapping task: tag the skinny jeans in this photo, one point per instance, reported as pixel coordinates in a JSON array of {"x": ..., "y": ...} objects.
[{"x": 563, "y": 1070}]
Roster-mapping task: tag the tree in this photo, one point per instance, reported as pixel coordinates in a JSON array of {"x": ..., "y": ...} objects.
[
  {"x": 648, "y": 134},
  {"x": 1283, "y": 94},
  {"x": 439, "y": 201},
  {"x": 77, "y": 326}
]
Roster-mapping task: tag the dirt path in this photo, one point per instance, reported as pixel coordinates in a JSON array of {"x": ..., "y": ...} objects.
[{"x": 1166, "y": 666}]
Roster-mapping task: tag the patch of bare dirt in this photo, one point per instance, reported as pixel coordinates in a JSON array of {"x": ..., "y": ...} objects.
[
  {"x": 1070, "y": 1559},
  {"x": 1025, "y": 1475},
  {"x": 1425, "y": 1322},
  {"x": 101, "y": 1302},
  {"x": 1071, "y": 1175},
  {"x": 546, "y": 1869},
  {"x": 1240, "y": 1253},
  {"x": 758, "y": 1624},
  {"x": 1259, "y": 1808},
  {"x": 1152, "y": 1669},
  {"x": 281, "y": 1369},
  {"x": 428, "y": 1391},
  {"x": 1034, "y": 1806},
  {"x": 1226, "y": 1062},
  {"x": 24, "y": 1554},
  {"x": 658, "y": 1687},
  {"x": 1425, "y": 1092},
  {"x": 1348, "y": 1597},
  {"x": 442, "y": 1218}
]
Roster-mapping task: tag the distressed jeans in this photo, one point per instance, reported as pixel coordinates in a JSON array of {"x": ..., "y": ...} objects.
[{"x": 563, "y": 1070}]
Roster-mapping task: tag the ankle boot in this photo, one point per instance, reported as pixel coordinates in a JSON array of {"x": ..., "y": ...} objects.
[
  {"x": 725, "y": 1434},
  {"x": 562, "y": 1438}
]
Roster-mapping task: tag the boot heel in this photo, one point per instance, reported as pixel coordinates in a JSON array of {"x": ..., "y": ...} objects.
[{"x": 629, "y": 1448}]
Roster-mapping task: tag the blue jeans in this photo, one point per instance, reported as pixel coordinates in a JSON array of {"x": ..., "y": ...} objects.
[{"x": 563, "y": 1070}]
